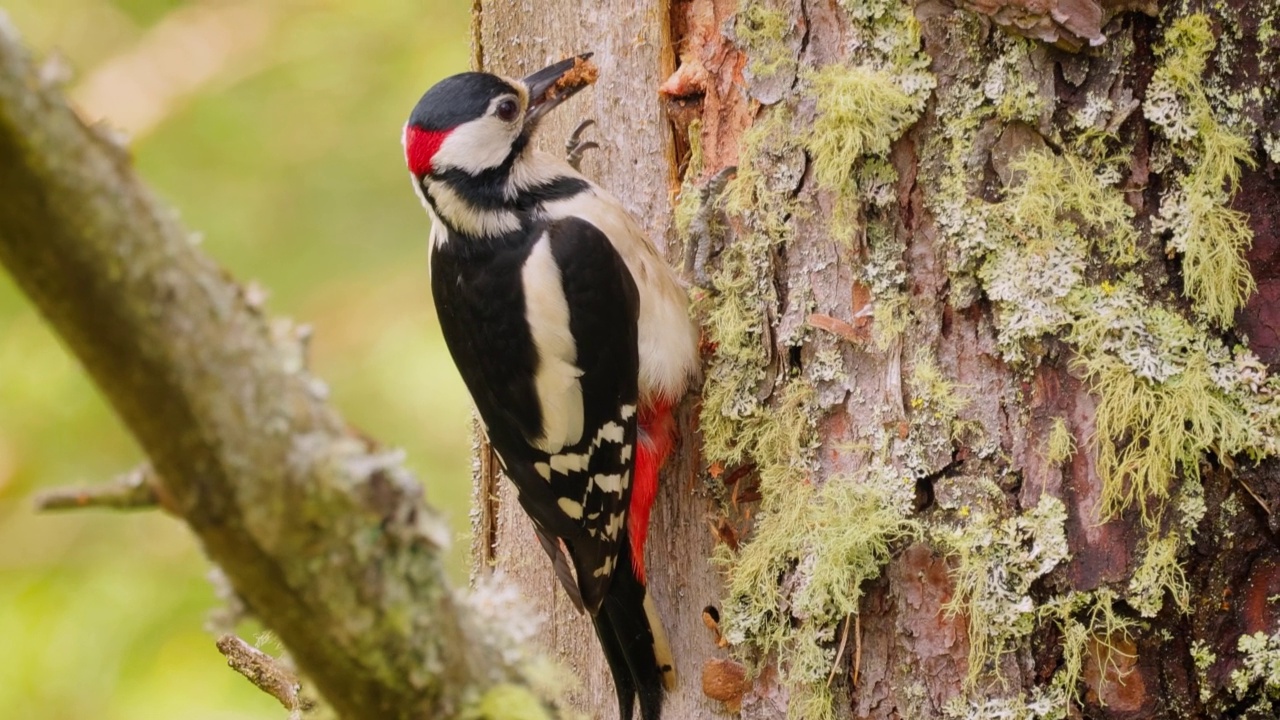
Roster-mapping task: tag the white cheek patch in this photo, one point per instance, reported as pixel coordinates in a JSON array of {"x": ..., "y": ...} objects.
[
  {"x": 468, "y": 218},
  {"x": 476, "y": 146}
]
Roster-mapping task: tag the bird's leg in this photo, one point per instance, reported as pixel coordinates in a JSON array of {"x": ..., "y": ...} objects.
[
  {"x": 575, "y": 146},
  {"x": 704, "y": 231}
]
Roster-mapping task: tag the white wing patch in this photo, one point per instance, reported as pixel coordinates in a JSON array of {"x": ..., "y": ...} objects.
[
  {"x": 611, "y": 432},
  {"x": 668, "y": 339},
  {"x": 571, "y": 508},
  {"x": 606, "y": 567},
  {"x": 556, "y": 380},
  {"x": 608, "y": 483},
  {"x": 565, "y": 463}
]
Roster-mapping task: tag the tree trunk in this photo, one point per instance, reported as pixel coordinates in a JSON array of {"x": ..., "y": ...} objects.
[{"x": 988, "y": 427}]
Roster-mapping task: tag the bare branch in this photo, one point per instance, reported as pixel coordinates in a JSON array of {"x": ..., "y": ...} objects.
[
  {"x": 268, "y": 674},
  {"x": 134, "y": 490},
  {"x": 323, "y": 534}
]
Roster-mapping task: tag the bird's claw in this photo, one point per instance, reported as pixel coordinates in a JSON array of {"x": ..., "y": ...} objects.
[{"x": 575, "y": 146}]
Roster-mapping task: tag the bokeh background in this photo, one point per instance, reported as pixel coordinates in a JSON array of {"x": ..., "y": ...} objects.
[{"x": 274, "y": 128}]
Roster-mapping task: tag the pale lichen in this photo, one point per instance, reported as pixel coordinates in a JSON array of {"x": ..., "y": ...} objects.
[
  {"x": 860, "y": 112},
  {"x": 1211, "y": 237},
  {"x": 1091, "y": 630},
  {"x": 814, "y": 541},
  {"x": 1061, "y": 444},
  {"x": 1259, "y": 677},
  {"x": 995, "y": 562},
  {"x": 1203, "y": 658}
]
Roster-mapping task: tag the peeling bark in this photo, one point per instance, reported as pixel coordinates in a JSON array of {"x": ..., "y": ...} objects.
[{"x": 972, "y": 438}]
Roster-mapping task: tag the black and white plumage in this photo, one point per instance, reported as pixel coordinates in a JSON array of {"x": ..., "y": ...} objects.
[{"x": 570, "y": 333}]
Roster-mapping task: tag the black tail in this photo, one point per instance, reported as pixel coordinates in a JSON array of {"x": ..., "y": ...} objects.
[{"x": 634, "y": 645}]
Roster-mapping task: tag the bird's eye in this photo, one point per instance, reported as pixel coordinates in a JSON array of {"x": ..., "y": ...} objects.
[{"x": 508, "y": 110}]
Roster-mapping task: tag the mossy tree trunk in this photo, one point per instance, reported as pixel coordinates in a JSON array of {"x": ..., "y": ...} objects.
[{"x": 988, "y": 426}]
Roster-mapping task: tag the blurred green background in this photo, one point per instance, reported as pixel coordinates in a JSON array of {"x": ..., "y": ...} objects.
[{"x": 274, "y": 128}]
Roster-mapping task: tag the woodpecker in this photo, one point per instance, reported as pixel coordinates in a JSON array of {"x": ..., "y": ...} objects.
[{"x": 573, "y": 338}]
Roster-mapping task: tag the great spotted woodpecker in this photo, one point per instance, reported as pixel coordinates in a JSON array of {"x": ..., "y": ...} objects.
[{"x": 572, "y": 336}]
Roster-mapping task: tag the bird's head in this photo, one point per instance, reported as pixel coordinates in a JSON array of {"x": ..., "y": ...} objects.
[{"x": 477, "y": 123}]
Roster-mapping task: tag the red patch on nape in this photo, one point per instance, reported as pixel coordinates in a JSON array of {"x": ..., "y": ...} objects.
[{"x": 420, "y": 147}]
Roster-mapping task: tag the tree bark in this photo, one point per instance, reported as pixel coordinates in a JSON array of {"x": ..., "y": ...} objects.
[
  {"x": 989, "y": 425},
  {"x": 988, "y": 422}
]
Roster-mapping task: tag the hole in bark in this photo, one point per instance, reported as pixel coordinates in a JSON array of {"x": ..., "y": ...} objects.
[
  {"x": 793, "y": 356},
  {"x": 924, "y": 494},
  {"x": 712, "y": 612}
]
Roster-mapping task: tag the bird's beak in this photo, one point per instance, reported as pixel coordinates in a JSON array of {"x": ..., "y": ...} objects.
[{"x": 556, "y": 83}]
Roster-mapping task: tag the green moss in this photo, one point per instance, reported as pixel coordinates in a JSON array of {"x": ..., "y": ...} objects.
[
  {"x": 690, "y": 201},
  {"x": 936, "y": 401},
  {"x": 1211, "y": 237},
  {"x": 762, "y": 32},
  {"x": 1057, "y": 256},
  {"x": 829, "y": 541},
  {"x": 1156, "y": 418},
  {"x": 1158, "y": 573},
  {"x": 1203, "y": 658},
  {"x": 861, "y": 111},
  {"x": 813, "y": 544},
  {"x": 1061, "y": 445},
  {"x": 995, "y": 561},
  {"x": 507, "y": 702},
  {"x": 732, "y": 408},
  {"x": 1058, "y": 212}
]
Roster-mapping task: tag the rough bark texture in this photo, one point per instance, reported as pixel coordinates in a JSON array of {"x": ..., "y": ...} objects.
[
  {"x": 323, "y": 535},
  {"x": 955, "y": 257},
  {"x": 632, "y": 48}
]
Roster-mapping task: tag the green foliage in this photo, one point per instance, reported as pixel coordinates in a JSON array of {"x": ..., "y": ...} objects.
[
  {"x": 288, "y": 165},
  {"x": 507, "y": 702}
]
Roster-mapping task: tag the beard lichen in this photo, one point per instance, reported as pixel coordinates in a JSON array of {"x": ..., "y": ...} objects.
[
  {"x": 814, "y": 541},
  {"x": 1056, "y": 247},
  {"x": 1061, "y": 255},
  {"x": 1211, "y": 237}
]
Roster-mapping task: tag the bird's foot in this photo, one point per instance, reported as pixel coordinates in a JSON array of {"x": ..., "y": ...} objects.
[{"x": 575, "y": 146}]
